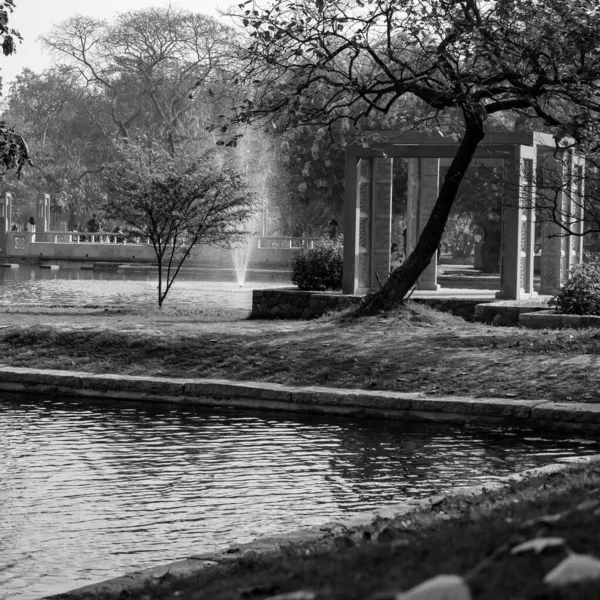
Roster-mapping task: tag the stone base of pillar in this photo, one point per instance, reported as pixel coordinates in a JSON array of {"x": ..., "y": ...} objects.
[
  {"x": 549, "y": 291},
  {"x": 502, "y": 295},
  {"x": 427, "y": 286}
]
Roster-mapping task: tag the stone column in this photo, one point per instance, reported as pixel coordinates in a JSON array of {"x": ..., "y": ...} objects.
[
  {"x": 365, "y": 181},
  {"x": 42, "y": 221},
  {"x": 528, "y": 220},
  {"x": 422, "y": 192},
  {"x": 351, "y": 220},
  {"x": 518, "y": 222},
  {"x": 5, "y": 221},
  {"x": 555, "y": 245},
  {"x": 575, "y": 256},
  {"x": 412, "y": 205},
  {"x": 428, "y": 193},
  {"x": 357, "y": 230},
  {"x": 381, "y": 222}
]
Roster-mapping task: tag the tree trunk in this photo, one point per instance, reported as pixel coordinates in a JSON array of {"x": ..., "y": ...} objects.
[{"x": 404, "y": 277}]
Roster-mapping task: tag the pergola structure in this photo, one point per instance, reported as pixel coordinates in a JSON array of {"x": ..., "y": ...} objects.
[{"x": 368, "y": 207}]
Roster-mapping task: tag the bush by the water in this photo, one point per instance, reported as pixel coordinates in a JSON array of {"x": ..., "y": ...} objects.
[
  {"x": 319, "y": 268},
  {"x": 581, "y": 294}
]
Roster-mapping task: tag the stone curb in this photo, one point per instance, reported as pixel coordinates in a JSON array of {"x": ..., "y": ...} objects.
[
  {"x": 272, "y": 396},
  {"x": 548, "y": 319},
  {"x": 272, "y": 544}
]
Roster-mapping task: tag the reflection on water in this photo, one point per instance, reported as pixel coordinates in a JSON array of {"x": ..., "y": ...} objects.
[
  {"x": 77, "y": 287},
  {"x": 89, "y": 491}
]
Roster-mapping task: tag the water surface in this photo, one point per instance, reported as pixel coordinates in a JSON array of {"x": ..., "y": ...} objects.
[
  {"x": 89, "y": 491},
  {"x": 129, "y": 286}
]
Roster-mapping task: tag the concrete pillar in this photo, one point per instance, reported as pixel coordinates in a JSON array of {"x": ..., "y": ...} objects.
[
  {"x": 575, "y": 256},
  {"x": 351, "y": 221},
  {"x": 5, "y": 221},
  {"x": 363, "y": 267},
  {"x": 518, "y": 222},
  {"x": 42, "y": 220},
  {"x": 381, "y": 220},
  {"x": 555, "y": 244},
  {"x": 357, "y": 225},
  {"x": 428, "y": 192},
  {"x": 529, "y": 166},
  {"x": 412, "y": 204}
]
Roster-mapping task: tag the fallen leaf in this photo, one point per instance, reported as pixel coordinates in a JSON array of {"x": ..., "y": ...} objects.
[
  {"x": 574, "y": 569},
  {"x": 544, "y": 520},
  {"x": 442, "y": 587},
  {"x": 436, "y": 500},
  {"x": 298, "y": 595},
  {"x": 588, "y": 504},
  {"x": 257, "y": 590},
  {"x": 538, "y": 545}
]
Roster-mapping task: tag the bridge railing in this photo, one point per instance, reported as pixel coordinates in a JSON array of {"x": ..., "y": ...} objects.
[
  {"x": 86, "y": 237},
  {"x": 285, "y": 242},
  {"x": 34, "y": 243}
]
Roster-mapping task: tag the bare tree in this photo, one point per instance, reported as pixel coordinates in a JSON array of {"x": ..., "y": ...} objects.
[
  {"x": 177, "y": 203},
  {"x": 324, "y": 61},
  {"x": 154, "y": 65}
]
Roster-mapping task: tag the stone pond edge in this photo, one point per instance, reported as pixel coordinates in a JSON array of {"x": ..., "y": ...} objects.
[
  {"x": 222, "y": 393},
  {"x": 251, "y": 551}
]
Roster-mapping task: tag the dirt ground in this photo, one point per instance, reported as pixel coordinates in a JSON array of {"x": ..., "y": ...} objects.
[{"x": 412, "y": 349}]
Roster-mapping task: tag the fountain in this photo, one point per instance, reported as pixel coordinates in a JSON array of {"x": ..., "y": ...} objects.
[{"x": 240, "y": 255}]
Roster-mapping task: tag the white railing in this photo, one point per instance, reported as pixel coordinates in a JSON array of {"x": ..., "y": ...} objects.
[
  {"x": 86, "y": 237},
  {"x": 287, "y": 243}
]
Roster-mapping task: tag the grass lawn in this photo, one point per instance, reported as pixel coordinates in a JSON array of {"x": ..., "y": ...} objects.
[{"x": 413, "y": 350}]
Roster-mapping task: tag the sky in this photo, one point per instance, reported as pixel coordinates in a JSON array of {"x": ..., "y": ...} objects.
[{"x": 33, "y": 18}]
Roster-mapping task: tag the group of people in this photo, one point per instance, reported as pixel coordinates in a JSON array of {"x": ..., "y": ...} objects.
[
  {"x": 94, "y": 226},
  {"x": 28, "y": 226}
]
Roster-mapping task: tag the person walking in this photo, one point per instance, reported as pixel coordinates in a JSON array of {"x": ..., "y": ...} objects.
[
  {"x": 332, "y": 231},
  {"x": 93, "y": 226}
]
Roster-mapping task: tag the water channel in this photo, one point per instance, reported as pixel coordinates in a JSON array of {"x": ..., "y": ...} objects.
[{"x": 91, "y": 490}]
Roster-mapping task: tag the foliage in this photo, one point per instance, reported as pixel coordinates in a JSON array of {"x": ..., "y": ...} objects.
[
  {"x": 176, "y": 203},
  {"x": 155, "y": 68},
  {"x": 461, "y": 64},
  {"x": 319, "y": 268},
  {"x": 306, "y": 181},
  {"x": 479, "y": 197},
  {"x": 14, "y": 153},
  {"x": 8, "y": 35},
  {"x": 62, "y": 123},
  {"x": 581, "y": 293}
]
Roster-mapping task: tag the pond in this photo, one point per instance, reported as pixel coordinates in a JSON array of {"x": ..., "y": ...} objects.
[
  {"x": 92, "y": 490},
  {"x": 132, "y": 286}
]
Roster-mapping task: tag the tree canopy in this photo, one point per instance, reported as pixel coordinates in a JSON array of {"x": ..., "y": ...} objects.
[
  {"x": 154, "y": 66},
  {"x": 429, "y": 62}
]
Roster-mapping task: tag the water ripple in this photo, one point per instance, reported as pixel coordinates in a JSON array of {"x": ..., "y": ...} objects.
[
  {"x": 76, "y": 287},
  {"x": 92, "y": 490}
]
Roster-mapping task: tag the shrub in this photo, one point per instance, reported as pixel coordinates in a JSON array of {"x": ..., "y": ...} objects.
[
  {"x": 581, "y": 294},
  {"x": 319, "y": 268}
]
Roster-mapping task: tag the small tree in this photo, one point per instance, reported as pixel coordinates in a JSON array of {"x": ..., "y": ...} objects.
[{"x": 176, "y": 204}]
